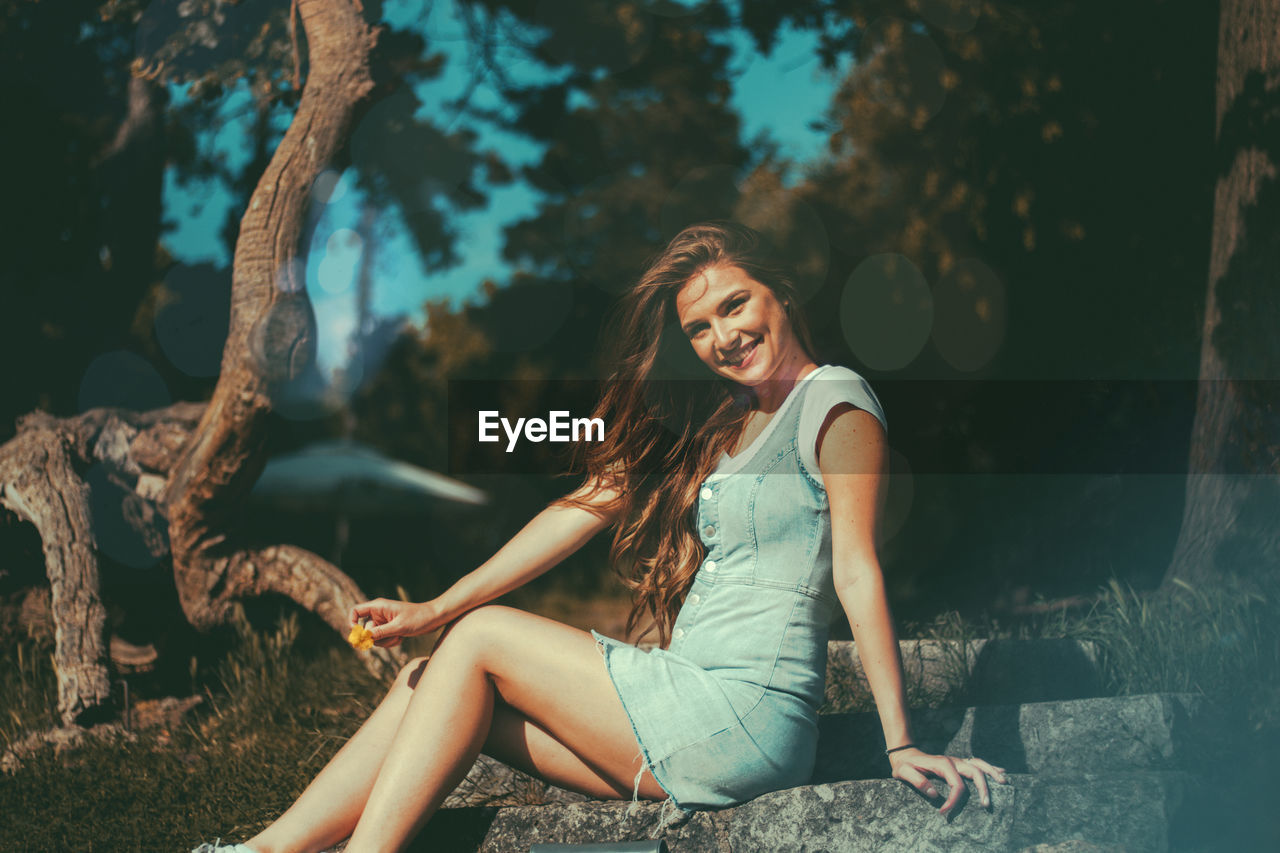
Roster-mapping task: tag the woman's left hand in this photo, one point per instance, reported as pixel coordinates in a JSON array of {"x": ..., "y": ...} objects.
[{"x": 912, "y": 765}]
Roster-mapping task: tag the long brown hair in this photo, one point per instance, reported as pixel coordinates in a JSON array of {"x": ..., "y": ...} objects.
[{"x": 668, "y": 417}]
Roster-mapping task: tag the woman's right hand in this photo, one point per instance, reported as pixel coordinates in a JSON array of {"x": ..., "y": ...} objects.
[
  {"x": 394, "y": 620},
  {"x": 914, "y": 766}
]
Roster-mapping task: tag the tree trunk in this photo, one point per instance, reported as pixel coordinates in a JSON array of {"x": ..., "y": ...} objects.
[
  {"x": 270, "y": 341},
  {"x": 41, "y": 484},
  {"x": 196, "y": 463},
  {"x": 1229, "y": 524}
]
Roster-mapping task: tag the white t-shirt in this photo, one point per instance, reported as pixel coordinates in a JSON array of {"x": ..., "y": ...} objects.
[{"x": 832, "y": 385}]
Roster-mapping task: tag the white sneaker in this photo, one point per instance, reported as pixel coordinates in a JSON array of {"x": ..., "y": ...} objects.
[{"x": 218, "y": 847}]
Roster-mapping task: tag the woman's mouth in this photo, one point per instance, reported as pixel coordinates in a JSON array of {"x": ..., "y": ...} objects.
[{"x": 743, "y": 356}]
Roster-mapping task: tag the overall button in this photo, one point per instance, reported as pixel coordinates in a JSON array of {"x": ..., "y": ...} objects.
[
  {"x": 677, "y": 633},
  {"x": 709, "y": 565},
  {"x": 695, "y": 598},
  {"x": 709, "y": 531},
  {"x": 706, "y": 494}
]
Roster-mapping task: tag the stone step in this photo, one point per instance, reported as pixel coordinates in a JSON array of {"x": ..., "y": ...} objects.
[
  {"x": 1101, "y": 774},
  {"x": 989, "y": 671},
  {"x": 1125, "y": 733},
  {"x": 976, "y": 670},
  {"x": 1149, "y": 732},
  {"x": 1133, "y": 811}
]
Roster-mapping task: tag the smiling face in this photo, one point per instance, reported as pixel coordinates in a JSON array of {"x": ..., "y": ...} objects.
[{"x": 738, "y": 327}]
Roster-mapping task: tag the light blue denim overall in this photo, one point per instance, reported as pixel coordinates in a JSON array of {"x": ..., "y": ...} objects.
[{"x": 729, "y": 710}]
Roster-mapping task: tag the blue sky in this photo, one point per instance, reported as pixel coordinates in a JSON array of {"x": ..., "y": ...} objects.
[{"x": 779, "y": 95}]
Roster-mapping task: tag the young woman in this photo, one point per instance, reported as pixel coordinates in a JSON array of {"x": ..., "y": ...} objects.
[{"x": 745, "y": 483}]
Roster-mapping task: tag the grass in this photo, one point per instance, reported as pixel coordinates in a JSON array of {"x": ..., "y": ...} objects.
[
  {"x": 1221, "y": 641},
  {"x": 28, "y": 688},
  {"x": 269, "y": 722},
  {"x": 937, "y": 685},
  {"x": 272, "y": 715}
]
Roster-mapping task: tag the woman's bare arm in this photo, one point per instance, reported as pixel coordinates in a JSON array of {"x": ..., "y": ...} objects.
[
  {"x": 853, "y": 457},
  {"x": 550, "y": 537}
]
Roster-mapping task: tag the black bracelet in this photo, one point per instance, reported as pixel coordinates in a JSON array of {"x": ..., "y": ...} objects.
[{"x": 897, "y": 748}]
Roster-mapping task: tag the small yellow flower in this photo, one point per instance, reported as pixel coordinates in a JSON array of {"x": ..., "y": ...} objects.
[{"x": 360, "y": 637}]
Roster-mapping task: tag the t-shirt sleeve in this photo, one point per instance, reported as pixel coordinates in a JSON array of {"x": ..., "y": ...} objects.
[{"x": 833, "y": 386}]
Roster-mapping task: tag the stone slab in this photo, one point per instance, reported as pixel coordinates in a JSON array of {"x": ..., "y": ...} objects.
[
  {"x": 516, "y": 829},
  {"x": 1148, "y": 732},
  {"x": 975, "y": 671},
  {"x": 492, "y": 783},
  {"x": 1134, "y": 811}
]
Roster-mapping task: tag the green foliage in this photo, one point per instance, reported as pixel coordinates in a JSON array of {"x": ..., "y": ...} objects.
[
  {"x": 1000, "y": 141},
  {"x": 101, "y": 131},
  {"x": 1220, "y": 641},
  {"x": 270, "y": 721},
  {"x": 623, "y": 128},
  {"x": 954, "y": 635},
  {"x": 255, "y": 677},
  {"x": 264, "y": 680},
  {"x": 82, "y": 197},
  {"x": 29, "y": 687},
  {"x": 1018, "y": 156}
]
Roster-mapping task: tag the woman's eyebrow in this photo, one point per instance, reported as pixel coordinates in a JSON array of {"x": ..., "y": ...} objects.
[{"x": 688, "y": 327}]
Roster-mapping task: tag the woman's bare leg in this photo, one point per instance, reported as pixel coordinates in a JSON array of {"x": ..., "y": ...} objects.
[
  {"x": 519, "y": 742},
  {"x": 546, "y": 671},
  {"x": 328, "y": 810}
]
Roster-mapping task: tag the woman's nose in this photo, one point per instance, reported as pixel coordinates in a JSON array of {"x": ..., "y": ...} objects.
[{"x": 725, "y": 334}]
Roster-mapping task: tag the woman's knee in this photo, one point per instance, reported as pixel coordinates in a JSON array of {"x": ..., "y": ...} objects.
[
  {"x": 467, "y": 635},
  {"x": 477, "y": 630}
]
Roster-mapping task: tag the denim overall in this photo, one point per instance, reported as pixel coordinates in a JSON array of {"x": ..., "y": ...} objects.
[{"x": 729, "y": 710}]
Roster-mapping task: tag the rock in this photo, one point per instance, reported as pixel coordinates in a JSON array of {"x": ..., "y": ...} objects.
[
  {"x": 976, "y": 671},
  {"x": 1076, "y": 846},
  {"x": 1133, "y": 811},
  {"x": 492, "y": 783},
  {"x": 579, "y": 823},
  {"x": 1150, "y": 732}
]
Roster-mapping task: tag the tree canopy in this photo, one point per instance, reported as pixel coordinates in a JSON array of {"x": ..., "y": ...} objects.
[{"x": 1009, "y": 193}]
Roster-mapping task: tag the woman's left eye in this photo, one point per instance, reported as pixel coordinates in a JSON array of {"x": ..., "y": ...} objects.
[{"x": 736, "y": 304}]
